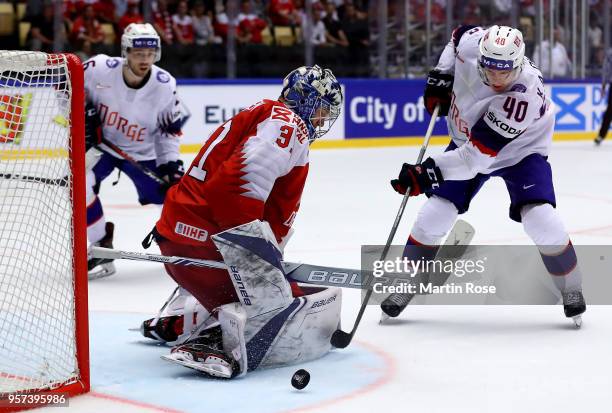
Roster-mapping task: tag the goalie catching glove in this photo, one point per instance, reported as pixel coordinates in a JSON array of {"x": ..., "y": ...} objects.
[
  {"x": 438, "y": 90},
  {"x": 419, "y": 178}
]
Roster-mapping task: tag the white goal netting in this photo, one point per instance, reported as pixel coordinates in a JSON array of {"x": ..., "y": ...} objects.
[{"x": 37, "y": 295}]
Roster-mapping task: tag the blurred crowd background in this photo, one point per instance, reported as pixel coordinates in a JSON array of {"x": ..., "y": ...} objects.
[{"x": 268, "y": 38}]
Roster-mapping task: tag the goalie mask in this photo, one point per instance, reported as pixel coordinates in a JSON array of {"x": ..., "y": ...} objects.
[
  {"x": 140, "y": 36},
  {"x": 502, "y": 53},
  {"x": 314, "y": 95}
]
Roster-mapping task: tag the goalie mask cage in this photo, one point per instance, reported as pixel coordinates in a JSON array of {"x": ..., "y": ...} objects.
[{"x": 43, "y": 271}]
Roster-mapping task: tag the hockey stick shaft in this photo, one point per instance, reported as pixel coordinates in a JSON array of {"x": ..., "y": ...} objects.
[
  {"x": 346, "y": 341},
  {"x": 151, "y": 174}
]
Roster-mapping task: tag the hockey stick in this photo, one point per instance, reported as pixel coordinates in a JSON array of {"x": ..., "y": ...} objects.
[
  {"x": 304, "y": 273},
  {"x": 50, "y": 181},
  {"x": 341, "y": 339},
  {"x": 148, "y": 172}
]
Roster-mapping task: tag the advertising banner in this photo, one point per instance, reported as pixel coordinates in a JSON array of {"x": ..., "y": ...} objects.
[{"x": 374, "y": 108}]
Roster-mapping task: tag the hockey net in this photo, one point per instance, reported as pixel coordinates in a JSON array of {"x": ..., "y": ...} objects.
[{"x": 43, "y": 274}]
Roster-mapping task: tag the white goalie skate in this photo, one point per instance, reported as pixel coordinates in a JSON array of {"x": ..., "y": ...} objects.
[{"x": 200, "y": 356}]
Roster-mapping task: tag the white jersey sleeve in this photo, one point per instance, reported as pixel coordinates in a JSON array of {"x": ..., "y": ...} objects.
[{"x": 446, "y": 63}]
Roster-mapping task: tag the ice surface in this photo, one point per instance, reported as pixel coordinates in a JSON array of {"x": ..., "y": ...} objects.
[{"x": 432, "y": 359}]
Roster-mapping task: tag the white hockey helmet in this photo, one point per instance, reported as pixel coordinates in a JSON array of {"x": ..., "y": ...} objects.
[
  {"x": 140, "y": 35},
  {"x": 501, "y": 48}
]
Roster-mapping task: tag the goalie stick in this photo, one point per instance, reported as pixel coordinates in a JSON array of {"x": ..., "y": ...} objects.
[
  {"x": 304, "y": 273},
  {"x": 341, "y": 339}
]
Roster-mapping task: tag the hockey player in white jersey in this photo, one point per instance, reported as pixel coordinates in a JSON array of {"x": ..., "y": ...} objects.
[
  {"x": 501, "y": 124},
  {"x": 133, "y": 104}
]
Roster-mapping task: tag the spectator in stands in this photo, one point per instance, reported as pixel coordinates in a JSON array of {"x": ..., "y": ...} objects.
[
  {"x": 595, "y": 33},
  {"x": 334, "y": 34},
  {"x": 221, "y": 24},
  {"x": 105, "y": 10},
  {"x": 42, "y": 35},
  {"x": 438, "y": 14},
  {"x": 249, "y": 24},
  {"x": 561, "y": 64},
  {"x": 132, "y": 15},
  {"x": 317, "y": 27},
  {"x": 162, "y": 22},
  {"x": 182, "y": 24},
  {"x": 470, "y": 13},
  {"x": 202, "y": 25},
  {"x": 87, "y": 33},
  {"x": 358, "y": 36},
  {"x": 355, "y": 28},
  {"x": 283, "y": 13},
  {"x": 606, "y": 78}
]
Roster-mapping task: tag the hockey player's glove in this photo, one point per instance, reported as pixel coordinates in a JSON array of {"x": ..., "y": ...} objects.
[
  {"x": 438, "y": 91},
  {"x": 93, "y": 128},
  {"x": 420, "y": 178},
  {"x": 171, "y": 171}
]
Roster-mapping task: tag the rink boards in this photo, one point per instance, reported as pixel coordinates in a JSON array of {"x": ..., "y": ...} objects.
[{"x": 376, "y": 112}]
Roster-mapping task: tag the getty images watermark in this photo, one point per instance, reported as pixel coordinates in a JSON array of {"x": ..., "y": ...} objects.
[
  {"x": 405, "y": 276},
  {"x": 476, "y": 274}
]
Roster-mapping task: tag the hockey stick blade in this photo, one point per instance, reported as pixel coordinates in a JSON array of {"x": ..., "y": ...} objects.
[{"x": 340, "y": 339}]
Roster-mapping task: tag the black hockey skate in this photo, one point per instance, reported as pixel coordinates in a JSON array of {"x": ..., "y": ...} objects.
[
  {"x": 394, "y": 304},
  {"x": 105, "y": 266},
  {"x": 199, "y": 355},
  {"x": 573, "y": 306},
  {"x": 166, "y": 329}
]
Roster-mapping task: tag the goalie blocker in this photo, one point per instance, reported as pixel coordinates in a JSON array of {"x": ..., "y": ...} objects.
[{"x": 268, "y": 327}]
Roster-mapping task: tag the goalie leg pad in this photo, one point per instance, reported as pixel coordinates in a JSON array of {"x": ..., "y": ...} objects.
[
  {"x": 306, "y": 333},
  {"x": 278, "y": 328},
  {"x": 254, "y": 264}
]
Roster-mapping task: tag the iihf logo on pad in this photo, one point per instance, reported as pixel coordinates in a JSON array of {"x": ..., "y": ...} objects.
[{"x": 190, "y": 231}]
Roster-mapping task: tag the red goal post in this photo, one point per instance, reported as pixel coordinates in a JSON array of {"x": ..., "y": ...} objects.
[{"x": 44, "y": 340}]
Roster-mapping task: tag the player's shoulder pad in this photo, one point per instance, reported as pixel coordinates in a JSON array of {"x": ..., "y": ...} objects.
[
  {"x": 460, "y": 31},
  {"x": 162, "y": 77},
  {"x": 102, "y": 62}
]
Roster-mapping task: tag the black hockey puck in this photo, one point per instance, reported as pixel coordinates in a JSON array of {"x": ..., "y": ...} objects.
[{"x": 300, "y": 379}]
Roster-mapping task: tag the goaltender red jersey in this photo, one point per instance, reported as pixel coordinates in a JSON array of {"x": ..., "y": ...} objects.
[{"x": 254, "y": 166}]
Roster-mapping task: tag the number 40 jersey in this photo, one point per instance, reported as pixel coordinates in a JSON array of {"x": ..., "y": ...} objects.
[
  {"x": 493, "y": 130},
  {"x": 254, "y": 166}
]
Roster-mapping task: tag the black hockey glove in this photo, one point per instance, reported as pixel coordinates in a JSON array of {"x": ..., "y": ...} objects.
[
  {"x": 438, "y": 90},
  {"x": 93, "y": 127},
  {"x": 171, "y": 171},
  {"x": 420, "y": 178}
]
